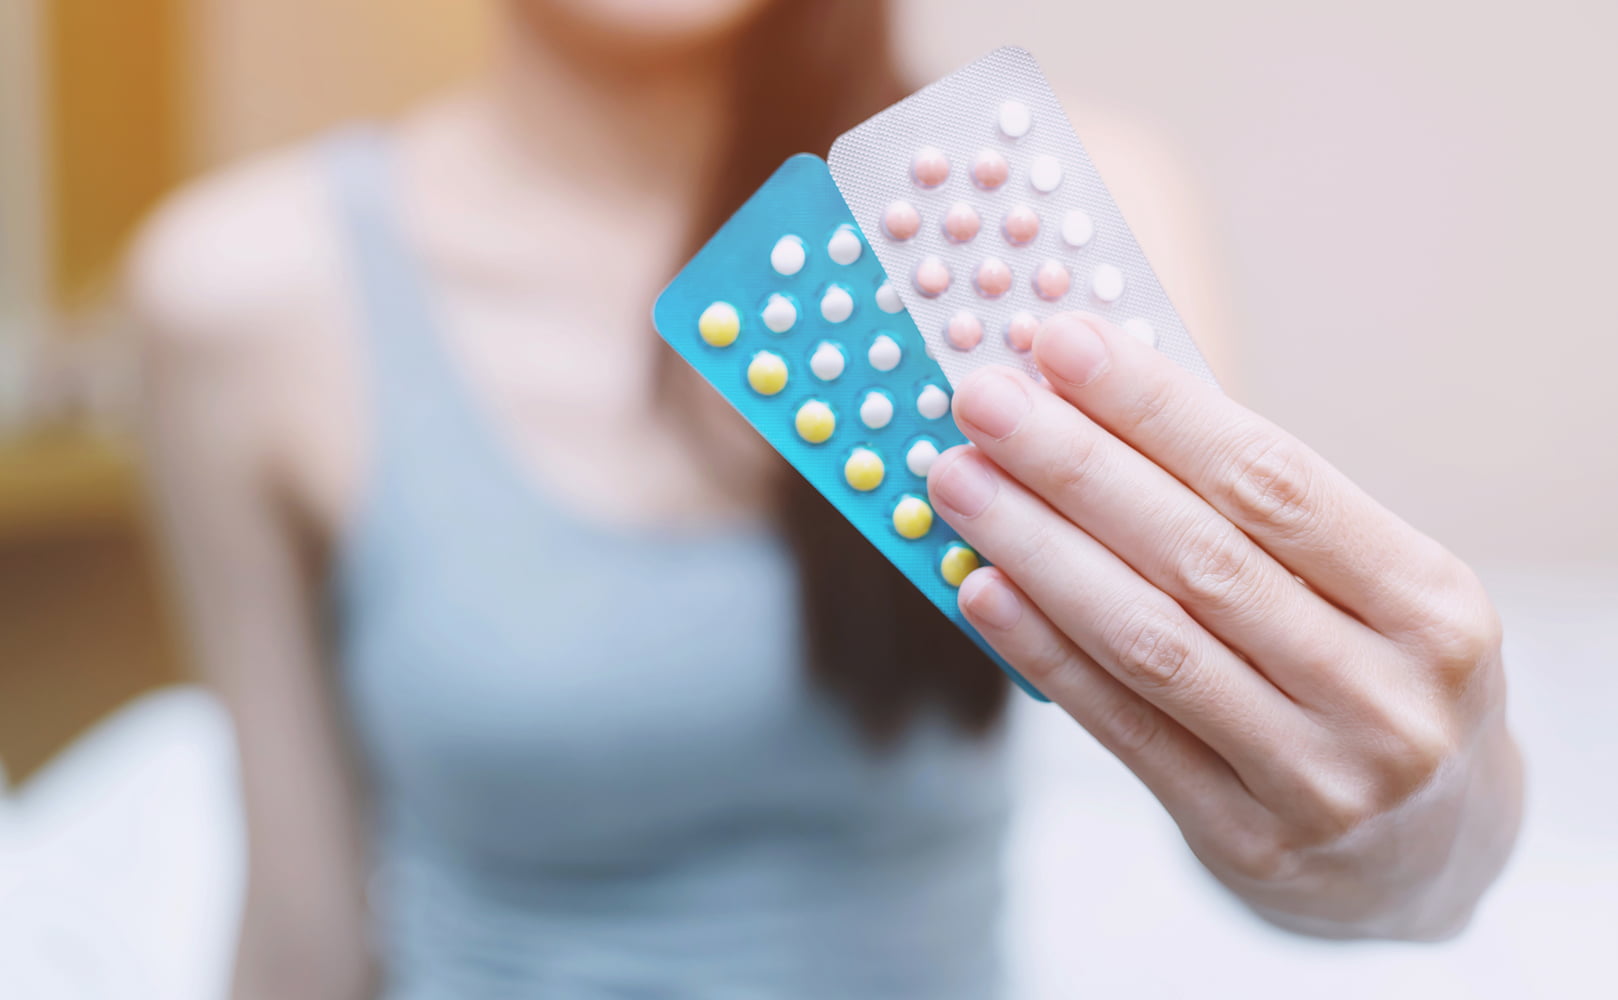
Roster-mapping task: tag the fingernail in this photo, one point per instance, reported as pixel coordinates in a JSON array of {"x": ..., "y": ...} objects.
[
  {"x": 964, "y": 486},
  {"x": 1071, "y": 350},
  {"x": 990, "y": 602},
  {"x": 993, "y": 402}
]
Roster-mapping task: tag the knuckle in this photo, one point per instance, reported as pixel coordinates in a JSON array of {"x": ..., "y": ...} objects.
[
  {"x": 1129, "y": 726},
  {"x": 1458, "y": 632},
  {"x": 1045, "y": 659},
  {"x": 1421, "y": 749},
  {"x": 1152, "y": 654},
  {"x": 1149, "y": 407},
  {"x": 1337, "y": 805},
  {"x": 1261, "y": 857},
  {"x": 1269, "y": 483},
  {"x": 1068, "y": 468},
  {"x": 1211, "y": 565},
  {"x": 1034, "y": 553}
]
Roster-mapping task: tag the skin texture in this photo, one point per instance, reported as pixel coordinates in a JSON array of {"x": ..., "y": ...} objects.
[
  {"x": 1311, "y": 687},
  {"x": 256, "y": 414}
]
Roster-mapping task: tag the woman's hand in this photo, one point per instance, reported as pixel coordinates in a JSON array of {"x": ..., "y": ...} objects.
[{"x": 1311, "y": 687}]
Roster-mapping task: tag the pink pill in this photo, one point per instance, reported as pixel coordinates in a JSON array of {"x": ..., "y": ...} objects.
[
  {"x": 1020, "y": 225},
  {"x": 932, "y": 277},
  {"x": 930, "y": 166},
  {"x": 1020, "y": 331},
  {"x": 990, "y": 170},
  {"x": 961, "y": 222},
  {"x": 1051, "y": 280},
  {"x": 964, "y": 331},
  {"x": 901, "y": 220},
  {"x": 993, "y": 278}
]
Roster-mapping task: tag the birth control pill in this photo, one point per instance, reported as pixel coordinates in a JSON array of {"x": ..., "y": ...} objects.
[
  {"x": 958, "y": 562},
  {"x": 930, "y": 167},
  {"x": 1141, "y": 330},
  {"x": 767, "y": 373},
  {"x": 965, "y": 331},
  {"x": 1051, "y": 281},
  {"x": 1077, "y": 229},
  {"x": 827, "y": 362},
  {"x": 815, "y": 421},
  {"x": 901, "y": 220},
  {"x": 863, "y": 470},
  {"x": 920, "y": 458},
  {"x": 876, "y": 409},
  {"x": 787, "y": 256},
  {"x": 1015, "y": 119},
  {"x": 990, "y": 170},
  {"x": 719, "y": 324},
  {"x": 961, "y": 222},
  {"x": 887, "y": 299},
  {"x": 1107, "y": 283},
  {"x": 1045, "y": 173},
  {"x": 1020, "y": 225},
  {"x": 780, "y": 313},
  {"x": 993, "y": 278},
  {"x": 844, "y": 246},
  {"x": 1020, "y": 331},
  {"x": 884, "y": 353},
  {"x": 932, "y": 402},
  {"x": 932, "y": 277},
  {"x": 912, "y": 518},
  {"x": 836, "y": 305}
]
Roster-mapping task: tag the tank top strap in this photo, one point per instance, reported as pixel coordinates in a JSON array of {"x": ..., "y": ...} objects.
[{"x": 414, "y": 392}]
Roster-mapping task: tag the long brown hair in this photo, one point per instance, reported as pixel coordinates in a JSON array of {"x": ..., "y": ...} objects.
[{"x": 807, "y": 70}]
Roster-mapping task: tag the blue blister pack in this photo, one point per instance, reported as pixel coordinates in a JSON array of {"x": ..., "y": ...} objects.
[{"x": 788, "y": 313}]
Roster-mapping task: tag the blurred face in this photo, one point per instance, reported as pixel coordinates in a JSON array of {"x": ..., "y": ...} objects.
[{"x": 643, "y": 24}]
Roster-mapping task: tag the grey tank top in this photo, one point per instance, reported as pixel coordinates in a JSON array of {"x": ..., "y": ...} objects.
[{"x": 596, "y": 766}]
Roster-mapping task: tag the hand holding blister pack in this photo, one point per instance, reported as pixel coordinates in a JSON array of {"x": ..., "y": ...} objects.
[{"x": 984, "y": 209}]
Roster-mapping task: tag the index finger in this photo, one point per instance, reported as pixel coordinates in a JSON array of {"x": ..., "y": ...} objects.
[{"x": 1288, "y": 499}]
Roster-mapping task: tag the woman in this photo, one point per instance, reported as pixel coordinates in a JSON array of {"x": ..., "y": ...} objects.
[{"x": 609, "y": 703}]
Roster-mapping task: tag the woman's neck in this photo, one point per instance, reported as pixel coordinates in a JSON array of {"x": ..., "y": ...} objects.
[{"x": 641, "y": 121}]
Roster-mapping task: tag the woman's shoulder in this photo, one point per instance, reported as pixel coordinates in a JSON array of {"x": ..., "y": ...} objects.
[{"x": 237, "y": 255}]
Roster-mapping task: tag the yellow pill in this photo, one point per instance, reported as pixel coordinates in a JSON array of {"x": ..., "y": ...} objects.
[
  {"x": 815, "y": 421},
  {"x": 863, "y": 470},
  {"x": 719, "y": 324},
  {"x": 767, "y": 373},
  {"x": 957, "y": 563},
  {"x": 912, "y": 518}
]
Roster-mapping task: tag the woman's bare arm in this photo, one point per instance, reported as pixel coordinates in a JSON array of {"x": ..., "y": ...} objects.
[{"x": 209, "y": 299}]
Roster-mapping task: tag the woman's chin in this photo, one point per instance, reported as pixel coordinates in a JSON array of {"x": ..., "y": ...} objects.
[{"x": 668, "y": 25}]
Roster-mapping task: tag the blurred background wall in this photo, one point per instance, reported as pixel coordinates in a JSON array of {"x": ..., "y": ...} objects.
[{"x": 1414, "y": 204}]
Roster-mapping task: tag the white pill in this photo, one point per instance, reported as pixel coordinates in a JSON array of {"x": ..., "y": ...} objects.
[
  {"x": 1141, "y": 330},
  {"x": 1107, "y": 283},
  {"x": 1045, "y": 173},
  {"x": 827, "y": 362},
  {"x": 1015, "y": 119},
  {"x": 876, "y": 410},
  {"x": 1077, "y": 229},
  {"x": 932, "y": 403},
  {"x": 836, "y": 305},
  {"x": 884, "y": 353},
  {"x": 787, "y": 258},
  {"x": 920, "y": 458},
  {"x": 887, "y": 299},
  {"x": 780, "y": 314},
  {"x": 844, "y": 245}
]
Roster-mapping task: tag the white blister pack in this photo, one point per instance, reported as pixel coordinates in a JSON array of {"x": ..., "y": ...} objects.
[{"x": 987, "y": 214}]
